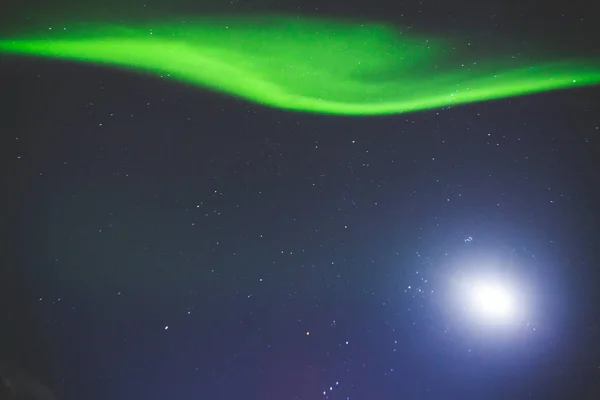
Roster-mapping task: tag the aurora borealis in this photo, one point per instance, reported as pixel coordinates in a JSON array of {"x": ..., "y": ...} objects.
[{"x": 315, "y": 65}]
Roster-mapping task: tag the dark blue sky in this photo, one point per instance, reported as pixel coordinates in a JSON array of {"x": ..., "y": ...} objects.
[{"x": 164, "y": 242}]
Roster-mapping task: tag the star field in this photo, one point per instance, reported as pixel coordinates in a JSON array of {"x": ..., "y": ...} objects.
[{"x": 165, "y": 242}]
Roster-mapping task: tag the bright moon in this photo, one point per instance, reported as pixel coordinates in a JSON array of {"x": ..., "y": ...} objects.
[{"x": 492, "y": 301}]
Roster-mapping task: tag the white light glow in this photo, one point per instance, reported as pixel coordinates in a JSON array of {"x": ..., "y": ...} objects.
[
  {"x": 492, "y": 301},
  {"x": 485, "y": 296}
]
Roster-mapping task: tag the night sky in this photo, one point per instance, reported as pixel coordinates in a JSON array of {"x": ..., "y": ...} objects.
[{"x": 162, "y": 241}]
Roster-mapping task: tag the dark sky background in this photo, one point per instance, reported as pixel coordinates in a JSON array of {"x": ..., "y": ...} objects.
[{"x": 165, "y": 242}]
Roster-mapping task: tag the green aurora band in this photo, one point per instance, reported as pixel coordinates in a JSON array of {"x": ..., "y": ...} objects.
[{"x": 314, "y": 65}]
